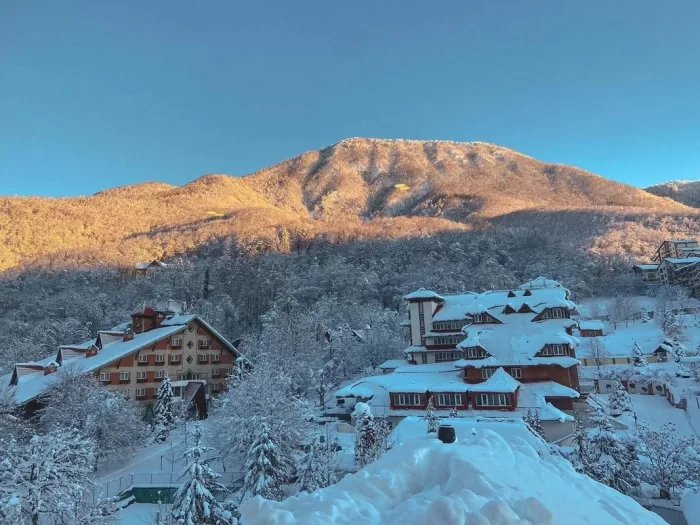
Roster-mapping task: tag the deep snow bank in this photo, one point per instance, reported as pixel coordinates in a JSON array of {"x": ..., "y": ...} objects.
[{"x": 483, "y": 480}]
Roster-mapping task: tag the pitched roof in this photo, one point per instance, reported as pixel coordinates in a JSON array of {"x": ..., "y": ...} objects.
[
  {"x": 113, "y": 348},
  {"x": 422, "y": 294},
  {"x": 500, "y": 381},
  {"x": 591, "y": 325}
]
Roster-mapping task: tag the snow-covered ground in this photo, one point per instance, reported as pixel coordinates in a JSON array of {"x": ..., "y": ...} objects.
[
  {"x": 138, "y": 514},
  {"x": 487, "y": 477}
]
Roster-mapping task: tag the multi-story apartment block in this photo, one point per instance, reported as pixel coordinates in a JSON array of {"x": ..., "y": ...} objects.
[
  {"x": 675, "y": 262},
  {"x": 490, "y": 354},
  {"x": 676, "y": 248},
  {"x": 135, "y": 356}
]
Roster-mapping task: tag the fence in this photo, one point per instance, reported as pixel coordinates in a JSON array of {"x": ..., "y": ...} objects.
[{"x": 112, "y": 488}]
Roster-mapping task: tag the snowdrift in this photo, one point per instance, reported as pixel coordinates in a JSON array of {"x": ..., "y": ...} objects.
[{"x": 485, "y": 479}]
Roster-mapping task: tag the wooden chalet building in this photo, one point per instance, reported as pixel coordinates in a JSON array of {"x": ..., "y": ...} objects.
[
  {"x": 484, "y": 353},
  {"x": 135, "y": 356}
]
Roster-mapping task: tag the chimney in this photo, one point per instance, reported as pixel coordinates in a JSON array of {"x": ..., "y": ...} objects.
[
  {"x": 128, "y": 335},
  {"x": 91, "y": 352},
  {"x": 50, "y": 369}
]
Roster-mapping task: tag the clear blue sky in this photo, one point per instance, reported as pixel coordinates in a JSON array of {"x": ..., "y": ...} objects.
[{"x": 96, "y": 94}]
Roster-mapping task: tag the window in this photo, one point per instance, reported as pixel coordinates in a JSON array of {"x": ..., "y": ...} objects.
[
  {"x": 555, "y": 349},
  {"x": 557, "y": 313},
  {"x": 174, "y": 358},
  {"x": 215, "y": 387},
  {"x": 177, "y": 391},
  {"x": 203, "y": 358},
  {"x": 517, "y": 373},
  {"x": 143, "y": 358},
  {"x": 481, "y": 318},
  {"x": 159, "y": 374},
  {"x": 123, "y": 376},
  {"x": 449, "y": 399},
  {"x": 216, "y": 358},
  {"x": 447, "y": 340},
  {"x": 448, "y": 325},
  {"x": 448, "y": 356},
  {"x": 140, "y": 375},
  {"x": 104, "y": 377},
  {"x": 408, "y": 399},
  {"x": 474, "y": 352},
  {"x": 487, "y": 372},
  {"x": 424, "y": 358},
  {"x": 160, "y": 358},
  {"x": 215, "y": 372},
  {"x": 203, "y": 343},
  {"x": 495, "y": 400},
  {"x": 176, "y": 343},
  {"x": 140, "y": 392}
]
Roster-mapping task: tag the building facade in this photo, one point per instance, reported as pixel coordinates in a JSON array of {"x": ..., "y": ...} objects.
[
  {"x": 483, "y": 353},
  {"x": 135, "y": 356}
]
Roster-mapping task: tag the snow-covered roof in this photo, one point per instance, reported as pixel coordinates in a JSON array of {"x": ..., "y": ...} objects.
[
  {"x": 459, "y": 306},
  {"x": 114, "y": 347},
  {"x": 591, "y": 325},
  {"x": 517, "y": 342},
  {"x": 500, "y": 381},
  {"x": 647, "y": 266},
  {"x": 496, "y": 473},
  {"x": 422, "y": 294},
  {"x": 683, "y": 260},
  {"x": 146, "y": 265},
  {"x": 393, "y": 363},
  {"x": 540, "y": 283},
  {"x": 81, "y": 346}
]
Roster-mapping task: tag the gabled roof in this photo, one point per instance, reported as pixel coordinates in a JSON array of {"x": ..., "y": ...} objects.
[
  {"x": 500, "y": 381},
  {"x": 591, "y": 325},
  {"x": 144, "y": 309},
  {"x": 113, "y": 348}
]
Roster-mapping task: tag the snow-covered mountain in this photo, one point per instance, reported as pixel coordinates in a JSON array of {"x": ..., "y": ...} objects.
[
  {"x": 498, "y": 473},
  {"x": 354, "y": 189},
  {"x": 684, "y": 191}
]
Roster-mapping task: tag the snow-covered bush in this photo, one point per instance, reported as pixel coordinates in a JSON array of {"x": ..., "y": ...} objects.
[
  {"x": 78, "y": 401},
  {"x": 47, "y": 476}
]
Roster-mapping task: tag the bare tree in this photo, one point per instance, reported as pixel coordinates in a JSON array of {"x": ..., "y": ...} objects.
[{"x": 596, "y": 350}]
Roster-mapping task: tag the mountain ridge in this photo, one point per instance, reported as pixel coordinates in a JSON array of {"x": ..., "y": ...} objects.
[
  {"x": 355, "y": 188},
  {"x": 684, "y": 191}
]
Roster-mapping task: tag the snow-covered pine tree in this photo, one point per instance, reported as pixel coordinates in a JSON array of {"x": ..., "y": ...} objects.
[
  {"x": 619, "y": 401},
  {"x": 532, "y": 418},
  {"x": 194, "y": 503},
  {"x": 679, "y": 350},
  {"x": 365, "y": 440},
  {"x": 319, "y": 467},
  {"x": 47, "y": 475},
  {"x": 638, "y": 356},
  {"x": 431, "y": 417},
  {"x": 266, "y": 469},
  {"x": 163, "y": 410}
]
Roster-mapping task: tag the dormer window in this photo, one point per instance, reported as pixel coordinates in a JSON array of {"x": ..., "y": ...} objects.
[
  {"x": 475, "y": 352},
  {"x": 90, "y": 352},
  {"x": 481, "y": 318},
  {"x": 527, "y": 293},
  {"x": 555, "y": 350},
  {"x": 511, "y": 293}
]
